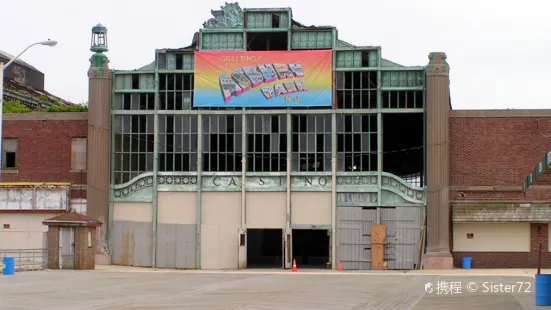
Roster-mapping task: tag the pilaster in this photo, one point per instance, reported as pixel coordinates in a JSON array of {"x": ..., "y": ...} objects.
[
  {"x": 53, "y": 247},
  {"x": 98, "y": 165},
  {"x": 438, "y": 254}
]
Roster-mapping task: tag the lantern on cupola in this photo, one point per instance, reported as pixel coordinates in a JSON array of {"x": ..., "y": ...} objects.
[{"x": 99, "y": 39}]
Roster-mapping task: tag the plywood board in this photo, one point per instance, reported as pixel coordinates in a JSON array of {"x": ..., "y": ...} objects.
[{"x": 378, "y": 235}]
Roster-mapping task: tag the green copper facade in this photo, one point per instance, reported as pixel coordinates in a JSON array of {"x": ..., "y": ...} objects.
[{"x": 368, "y": 150}]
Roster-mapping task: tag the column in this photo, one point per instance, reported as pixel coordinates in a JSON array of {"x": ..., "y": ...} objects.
[
  {"x": 438, "y": 254},
  {"x": 98, "y": 151}
]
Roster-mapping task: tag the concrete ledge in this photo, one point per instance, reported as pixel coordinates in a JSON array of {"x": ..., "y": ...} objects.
[
  {"x": 46, "y": 116},
  {"x": 488, "y": 188},
  {"x": 500, "y": 113},
  {"x": 501, "y": 213},
  {"x": 501, "y": 201}
]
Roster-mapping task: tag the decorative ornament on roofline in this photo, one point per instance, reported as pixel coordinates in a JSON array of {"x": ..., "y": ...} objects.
[
  {"x": 101, "y": 70},
  {"x": 437, "y": 65},
  {"x": 229, "y": 17}
]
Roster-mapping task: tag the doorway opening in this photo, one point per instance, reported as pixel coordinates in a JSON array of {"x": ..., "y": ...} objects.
[
  {"x": 264, "y": 248},
  {"x": 311, "y": 248}
]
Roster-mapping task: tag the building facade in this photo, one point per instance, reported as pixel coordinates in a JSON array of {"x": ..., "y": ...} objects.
[
  {"x": 193, "y": 185},
  {"x": 244, "y": 183},
  {"x": 500, "y": 197},
  {"x": 43, "y": 174}
]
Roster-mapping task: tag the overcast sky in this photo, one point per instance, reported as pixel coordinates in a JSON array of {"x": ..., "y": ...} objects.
[{"x": 498, "y": 51}]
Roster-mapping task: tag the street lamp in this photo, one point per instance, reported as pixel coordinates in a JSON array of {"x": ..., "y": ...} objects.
[{"x": 2, "y": 68}]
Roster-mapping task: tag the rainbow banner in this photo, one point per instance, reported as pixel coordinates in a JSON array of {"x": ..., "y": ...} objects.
[{"x": 263, "y": 79}]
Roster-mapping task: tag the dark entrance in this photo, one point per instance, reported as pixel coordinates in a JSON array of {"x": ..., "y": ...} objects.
[
  {"x": 311, "y": 248},
  {"x": 264, "y": 248}
]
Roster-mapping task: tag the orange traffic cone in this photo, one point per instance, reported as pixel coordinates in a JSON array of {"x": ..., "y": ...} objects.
[
  {"x": 295, "y": 269},
  {"x": 339, "y": 266}
]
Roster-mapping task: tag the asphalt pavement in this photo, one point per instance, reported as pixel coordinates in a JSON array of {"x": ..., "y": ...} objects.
[{"x": 136, "y": 288}]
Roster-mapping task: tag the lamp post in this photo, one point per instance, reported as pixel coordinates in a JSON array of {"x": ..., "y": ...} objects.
[{"x": 2, "y": 68}]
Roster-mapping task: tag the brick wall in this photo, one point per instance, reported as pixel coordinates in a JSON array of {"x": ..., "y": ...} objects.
[
  {"x": 84, "y": 255},
  {"x": 499, "y": 151},
  {"x": 44, "y": 147},
  {"x": 496, "y": 151}
]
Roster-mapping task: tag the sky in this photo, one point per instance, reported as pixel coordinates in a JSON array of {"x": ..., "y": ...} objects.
[{"x": 497, "y": 50}]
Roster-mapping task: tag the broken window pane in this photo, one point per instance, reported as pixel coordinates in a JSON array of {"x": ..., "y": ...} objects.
[
  {"x": 177, "y": 143},
  {"x": 267, "y": 41},
  {"x": 134, "y": 143},
  {"x": 356, "y": 90},
  {"x": 357, "y": 151},
  {"x": 265, "y": 143},
  {"x": 222, "y": 143},
  {"x": 309, "y": 148},
  {"x": 9, "y": 153},
  {"x": 403, "y": 150},
  {"x": 175, "y": 91},
  {"x": 403, "y": 99}
]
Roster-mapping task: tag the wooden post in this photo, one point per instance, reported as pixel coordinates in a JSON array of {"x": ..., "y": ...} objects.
[
  {"x": 539, "y": 257},
  {"x": 539, "y": 248},
  {"x": 378, "y": 236}
]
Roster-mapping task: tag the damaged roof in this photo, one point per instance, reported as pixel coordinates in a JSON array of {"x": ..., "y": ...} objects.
[
  {"x": 231, "y": 9},
  {"x": 18, "y": 61},
  {"x": 297, "y": 25},
  {"x": 193, "y": 46},
  {"x": 31, "y": 97},
  {"x": 28, "y": 95},
  {"x": 72, "y": 219}
]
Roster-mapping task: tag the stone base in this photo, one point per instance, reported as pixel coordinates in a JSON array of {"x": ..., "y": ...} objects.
[
  {"x": 102, "y": 259},
  {"x": 438, "y": 261}
]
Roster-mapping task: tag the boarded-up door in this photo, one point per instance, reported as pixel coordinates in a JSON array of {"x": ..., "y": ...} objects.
[
  {"x": 45, "y": 250},
  {"x": 132, "y": 243},
  {"x": 354, "y": 237},
  {"x": 176, "y": 246},
  {"x": 408, "y": 231},
  {"x": 66, "y": 248},
  {"x": 403, "y": 226},
  {"x": 388, "y": 218}
]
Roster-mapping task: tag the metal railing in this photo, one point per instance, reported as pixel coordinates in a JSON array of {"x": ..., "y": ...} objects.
[{"x": 27, "y": 259}]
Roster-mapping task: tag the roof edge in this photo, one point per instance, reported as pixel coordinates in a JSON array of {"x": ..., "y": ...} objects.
[
  {"x": 19, "y": 61},
  {"x": 46, "y": 116},
  {"x": 501, "y": 113}
]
